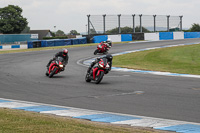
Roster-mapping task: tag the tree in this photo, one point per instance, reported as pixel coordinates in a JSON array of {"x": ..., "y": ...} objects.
[
  {"x": 137, "y": 29},
  {"x": 60, "y": 33},
  {"x": 11, "y": 20},
  {"x": 26, "y": 30},
  {"x": 125, "y": 30},
  {"x": 74, "y": 32},
  {"x": 195, "y": 27}
]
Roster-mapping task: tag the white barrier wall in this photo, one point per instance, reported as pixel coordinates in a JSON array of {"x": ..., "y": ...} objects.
[
  {"x": 24, "y": 46},
  {"x": 7, "y": 47},
  {"x": 178, "y": 35},
  {"x": 115, "y": 38},
  {"x": 151, "y": 36}
]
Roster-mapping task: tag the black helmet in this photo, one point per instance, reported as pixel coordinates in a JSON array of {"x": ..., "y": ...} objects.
[{"x": 109, "y": 56}]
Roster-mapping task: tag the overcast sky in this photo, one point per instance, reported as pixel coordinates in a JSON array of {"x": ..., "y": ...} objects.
[{"x": 69, "y": 15}]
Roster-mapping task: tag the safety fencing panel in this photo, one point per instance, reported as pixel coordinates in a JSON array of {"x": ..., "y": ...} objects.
[
  {"x": 56, "y": 42},
  {"x": 74, "y": 41},
  {"x": 191, "y": 35},
  {"x": 166, "y": 35},
  {"x": 59, "y": 42},
  {"x": 47, "y": 43},
  {"x": 151, "y": 36},
  {"x": 126, "y": 37},
  {"x": 34, "y": 44},
  {"x": 178, "y": 35},
  {"x": 67, "y": 42},
  {"x": 82, "y": 40}
]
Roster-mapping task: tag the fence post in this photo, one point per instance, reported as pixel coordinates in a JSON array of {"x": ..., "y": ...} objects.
[
  {"x": 104, "y": 23},
  {"x": 133, "y": 23},
  {"x": 181, "y": 22},
  {"x": 88, "y": 24},
  {"x": 119, "y": 29},
  {"x": 154, "y": 18},
  {"x": 140, "y": 22},
  {"x": 168, "y": 23}
]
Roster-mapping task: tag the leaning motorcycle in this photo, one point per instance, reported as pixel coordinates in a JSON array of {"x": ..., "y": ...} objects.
[
  {"x": 97, "y": 72},
  {"x": 55, "y": 67},
  {"x": 101, "y": 48}
]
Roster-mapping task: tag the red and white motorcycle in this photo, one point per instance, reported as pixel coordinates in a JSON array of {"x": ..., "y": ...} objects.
[
  {"x": 102, "y": 48},
  {"x": 97, "y": 72},
  {"x": 55, "y": 67}
]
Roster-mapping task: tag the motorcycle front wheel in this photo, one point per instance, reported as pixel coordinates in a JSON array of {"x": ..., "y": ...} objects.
[
  {"x": 99, "y": 78},
  {"x": 52, "y": 72},
  {"x": 47, "y": 73},
  {"x": 96, "y": 51},
  {"x": 87, "y": 77}
]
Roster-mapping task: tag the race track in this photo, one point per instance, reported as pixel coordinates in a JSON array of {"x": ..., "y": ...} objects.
[{"x": 22, "y": 77}]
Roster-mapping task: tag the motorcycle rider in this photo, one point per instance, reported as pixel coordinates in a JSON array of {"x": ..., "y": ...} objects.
[
  {"x": 108, "y": 44},
  {"x": 64, "y": 55},
  {"x": 109, "y": 58}
]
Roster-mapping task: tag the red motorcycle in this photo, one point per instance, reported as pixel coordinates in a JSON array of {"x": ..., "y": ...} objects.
[
  {"x": 97, "y": 72},
  {"x": 55, "y": 67},
  {"x": 101, "y": 48}
]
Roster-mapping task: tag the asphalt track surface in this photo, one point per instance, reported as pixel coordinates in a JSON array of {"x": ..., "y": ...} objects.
[{"x": 22, "y": 77}]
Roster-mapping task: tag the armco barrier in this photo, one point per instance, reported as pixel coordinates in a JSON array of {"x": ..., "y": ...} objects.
[
  {"x": 191, "y": 35},
  {"x": 126, "y": 37},
  {"x": 151, "y": 36},
  {"x": 115, "y": 38},
  {"x": 8, "y": 47},
  {"x": 178, "y": 35},
  {"x": 15, "y": 46},
  {"x": 98, "y": 39},
  {"x": 166, "y": 35}
]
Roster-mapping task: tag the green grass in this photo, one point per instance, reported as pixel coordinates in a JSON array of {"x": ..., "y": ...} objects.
[
  {"x": 181, "y": 59},
  {"x": 19, "y": 121}
]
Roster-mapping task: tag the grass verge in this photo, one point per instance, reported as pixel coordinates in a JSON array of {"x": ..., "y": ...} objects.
[
  {"x": 180, "y": 59},
  {"x": 14, "y": 121}
]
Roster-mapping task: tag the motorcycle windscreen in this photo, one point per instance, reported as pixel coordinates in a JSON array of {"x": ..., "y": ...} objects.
[{"x": 105, "y": 61}]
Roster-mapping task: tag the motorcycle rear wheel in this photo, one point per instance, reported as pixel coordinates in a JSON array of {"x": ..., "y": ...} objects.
[
  {"x": 52, "y": 72},
  {"x": 99, "y": 78}
]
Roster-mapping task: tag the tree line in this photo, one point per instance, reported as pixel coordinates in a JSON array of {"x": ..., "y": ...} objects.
[{"x": 12, "y": 22}]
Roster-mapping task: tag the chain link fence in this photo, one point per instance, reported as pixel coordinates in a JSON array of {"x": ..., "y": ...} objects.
[{"x": 116, "y": 24}]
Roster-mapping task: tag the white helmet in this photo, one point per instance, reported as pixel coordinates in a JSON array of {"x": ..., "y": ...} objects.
[{"x": 109, "y": 40}]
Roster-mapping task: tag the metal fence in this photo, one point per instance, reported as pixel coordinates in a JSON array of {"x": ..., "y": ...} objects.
[{"x": 105, "y": 24}]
